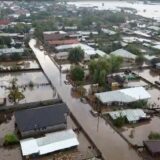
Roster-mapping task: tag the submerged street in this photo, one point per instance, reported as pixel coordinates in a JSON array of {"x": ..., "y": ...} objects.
[{"x": 110, "y": 143}]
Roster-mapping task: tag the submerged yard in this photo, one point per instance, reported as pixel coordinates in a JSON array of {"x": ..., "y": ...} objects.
[{"x": 34, "y": 86}]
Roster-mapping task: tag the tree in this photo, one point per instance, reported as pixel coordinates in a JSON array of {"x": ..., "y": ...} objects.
[
  {"x": 154, "y": 136},
  {"x": 119, "y": 121},
  {"x": 133, "y": 49},
  {"x": 15, "y": 95},
  {"x": 100, "y": 68},
  {"x": 76, "y": 55},
  {"x": 115, "y": 62},
  {"x": 102, "y": 78},
  {"x": 10, "y": 139},
  {"x": 77, "y": 73},
  {"x": 139, "y": 60}
]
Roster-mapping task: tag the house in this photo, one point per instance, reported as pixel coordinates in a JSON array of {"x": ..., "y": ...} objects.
[
  {"x": 62, "y": 55},
  {"x": 128, "y": 56},
  {"x": 158, "y": 66},
  {"x": 132, "y": 115},
  {"x": 41, "y": 120},
  {"x": 88, "y": 51},
  {"x": 153, "y": 147},
  {"x": 9, "y": 51},
  {"x": 2, "y": 96},
  {"x": 54, "y": 43},
  {"x": 4, "y": 23},
  {"x": 123, "y": 96},
  {"x": 54, "y": 35},
  {"x": 108, "y": 31},
  {"x": 49, "y": 143}
]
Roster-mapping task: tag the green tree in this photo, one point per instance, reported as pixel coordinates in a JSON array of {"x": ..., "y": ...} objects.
[
  {"x": 102, "y": 78},
  {"x": 115, "y": 62},
  {"x": 119, "y": 121},
  {"x": 133, "y": 49},
  {"x": 15, "y": 95},
  {"x": 100, "y": 68},
  {"x": 76, "y": 55},
  {"x": 139, "y": 60},
  {"x": 10, "y": 139},
  {"x": 154, "y": 136},
  {"x": 77, "y": 73}
]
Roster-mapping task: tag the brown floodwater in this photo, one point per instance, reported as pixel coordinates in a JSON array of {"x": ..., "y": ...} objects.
[
  {"x": 110, "y": 143},
  {"x": 141, "y": 131},
  {"x": 149, "y": 75},
  {"x": 29, "y": 64}
]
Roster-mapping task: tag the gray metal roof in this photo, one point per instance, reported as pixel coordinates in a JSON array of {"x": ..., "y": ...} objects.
[{"x": 36, "y": 118}]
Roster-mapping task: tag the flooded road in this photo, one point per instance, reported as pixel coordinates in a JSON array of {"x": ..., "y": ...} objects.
[{"x": 112, "y": 146}]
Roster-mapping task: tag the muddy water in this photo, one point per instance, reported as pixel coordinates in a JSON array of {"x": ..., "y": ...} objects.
[
  {"x": 6, "y": 125},
  {"x": 149, "y": 75},
  {"x": 142, "y": 131},
  {"x": 154, "y": 101},
  {"x": 24, "y": 78},
  {"x": 10, "y": 154},
  {"x": 111, "y": 145},
  {"x": 146, "y": 10},
  {"x": 25, "y": 65}
]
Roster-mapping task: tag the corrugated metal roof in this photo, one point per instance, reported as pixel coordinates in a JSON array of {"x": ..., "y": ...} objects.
[
  {"x": 124, "y": 95},
  {"x": 49, "y": 143},
  {"x": 123, "y": 53},
  {"x": 131, "y": 114}
]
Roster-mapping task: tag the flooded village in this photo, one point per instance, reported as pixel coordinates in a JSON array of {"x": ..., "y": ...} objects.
[{"x": 80, "y": 80}]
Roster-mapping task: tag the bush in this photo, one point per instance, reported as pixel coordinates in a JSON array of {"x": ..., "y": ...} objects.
[
  {"x": 154, "y": 136},
  {"x": 120, "y": 121},
  {"x": 10, "y": 139},
  {"x": 77, "y": 73},
  {"x": 139, "y": 104}
]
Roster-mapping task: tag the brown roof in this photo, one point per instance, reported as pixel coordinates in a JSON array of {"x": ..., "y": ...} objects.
[
  {"x": 4, "y": 22},
  {"x": 63, "y": 42},
  {"x": 153, "y": 146}
]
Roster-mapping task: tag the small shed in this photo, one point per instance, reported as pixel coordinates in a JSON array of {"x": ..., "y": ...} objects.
[{"x": 153, "y": 147}]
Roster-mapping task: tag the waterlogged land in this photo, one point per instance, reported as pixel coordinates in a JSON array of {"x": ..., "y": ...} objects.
[
  {"x": 107, "y": 140},
  {"x": 143, "y": 9}
]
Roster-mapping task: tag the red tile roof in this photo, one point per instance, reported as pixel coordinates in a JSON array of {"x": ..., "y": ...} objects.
[
  {"x": 63, "y": 42},
  {"x": 4, "y": 22}
]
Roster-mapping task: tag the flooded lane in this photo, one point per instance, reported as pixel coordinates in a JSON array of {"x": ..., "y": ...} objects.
[
  {"x": 112, "y": 146},
  {"x": 141, "y": 132}
]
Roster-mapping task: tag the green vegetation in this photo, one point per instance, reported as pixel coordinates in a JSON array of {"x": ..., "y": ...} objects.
[
  {"x": 77, "y": 73},
  {"x": 18, "y": 28},
  {"x": 119, "y": 121},
  {"x": 154, "y": 136},
  {"x": 41, "y": 26},
  {"x": 139, "y": 104},
  {"x": 100, "y": 68},
  {"x": 10, "y": 139},
  {"x": 133, "y": 49},
  {"x": 76, "y": 55},
  {"x": 15, "y": 95},
  {"x": 139, "y": 60},
  {"x": 5, "y": 41}
]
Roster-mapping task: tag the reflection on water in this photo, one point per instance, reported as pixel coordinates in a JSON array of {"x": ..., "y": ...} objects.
[
  {"x": 40, "y": 91},
  {"x": 146, "y": 10}
]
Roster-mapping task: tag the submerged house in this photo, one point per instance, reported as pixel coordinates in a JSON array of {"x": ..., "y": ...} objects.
[{"x": 36, "y": 121}]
